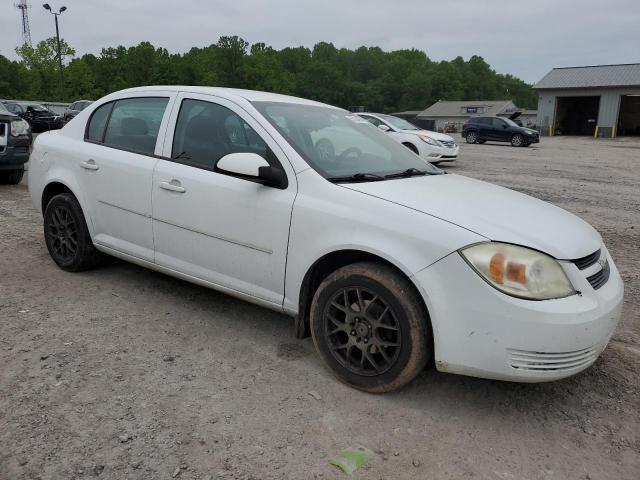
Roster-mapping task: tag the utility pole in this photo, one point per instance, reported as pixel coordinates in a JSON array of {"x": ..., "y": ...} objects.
[{"x": 62, "y": 9}]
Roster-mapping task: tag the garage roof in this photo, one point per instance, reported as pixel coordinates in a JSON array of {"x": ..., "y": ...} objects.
[
  {"x": 446, "y": 108},
  {"x": 623, "y": 75}
]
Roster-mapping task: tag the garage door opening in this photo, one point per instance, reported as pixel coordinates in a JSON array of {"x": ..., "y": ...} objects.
[
  {"x": 577, "y": 115},
  {"x": 629, "y": 118}
]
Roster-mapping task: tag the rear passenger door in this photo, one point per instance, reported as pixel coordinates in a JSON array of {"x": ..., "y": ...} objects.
[{"x": 116, "y": 164}]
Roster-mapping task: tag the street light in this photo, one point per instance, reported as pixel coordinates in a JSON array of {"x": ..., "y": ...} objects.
[{"x": 62, "y": 9}]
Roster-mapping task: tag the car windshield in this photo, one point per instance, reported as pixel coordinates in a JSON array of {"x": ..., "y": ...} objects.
[
  {"x": 38, "y": 108},
  {"x": 3, "y": 109},
  {"x": 338, "y": 144},
  {"x": 399, "y": 123},
  {"x": 510, "y": 122}
]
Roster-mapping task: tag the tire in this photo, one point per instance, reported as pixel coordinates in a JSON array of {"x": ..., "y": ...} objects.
[
  {"x": 411, "y": 147},
  {"x": 517, "y": 140},
  {"x": 380, "y": 346},
  {"x": 471, "y": 137},
  {"x": 12, "y": 177},
  {"x": 67, "y": 236}
]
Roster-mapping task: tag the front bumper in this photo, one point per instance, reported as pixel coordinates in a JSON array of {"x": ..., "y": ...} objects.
[
  {"x": 14, "y": 151},
  {"x": 482, "y": 332},
  {"x": 440, "y": 154}
]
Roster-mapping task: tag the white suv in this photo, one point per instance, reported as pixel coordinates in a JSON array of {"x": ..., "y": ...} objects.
[
  {"x": 309, "y": 210},
  {"x": 433, "y": 147}
]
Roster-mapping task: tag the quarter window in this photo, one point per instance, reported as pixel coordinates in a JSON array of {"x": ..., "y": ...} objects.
[
  {"x": 134, "y": 124},
  {"x": 98, "y": 122},
  {"x": 206, "y": 132}
]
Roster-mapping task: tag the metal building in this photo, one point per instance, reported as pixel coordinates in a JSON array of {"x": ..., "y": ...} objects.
[{"x": 601, "y": 100}]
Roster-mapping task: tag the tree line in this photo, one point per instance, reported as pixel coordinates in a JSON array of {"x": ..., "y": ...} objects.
[{"x": 368, "y": 76}]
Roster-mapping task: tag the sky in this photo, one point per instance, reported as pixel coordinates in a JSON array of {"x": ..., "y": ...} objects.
[{"x": 521, "y": 37}]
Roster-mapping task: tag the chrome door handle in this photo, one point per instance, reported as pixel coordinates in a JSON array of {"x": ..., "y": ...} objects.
[
  {"x": 173, "y": 186},
  {"x": 89, "y": 165}
]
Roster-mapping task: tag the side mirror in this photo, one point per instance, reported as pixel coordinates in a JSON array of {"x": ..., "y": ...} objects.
[
  {"x": 252, "y": 166},
  {"x": 384, "y": 127}
]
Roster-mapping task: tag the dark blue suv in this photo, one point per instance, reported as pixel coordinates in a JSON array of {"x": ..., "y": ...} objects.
[{"x": 497, "y": 129}]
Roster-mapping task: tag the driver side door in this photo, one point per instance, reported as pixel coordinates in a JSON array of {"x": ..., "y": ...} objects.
[{"x": 229, "y": 232}]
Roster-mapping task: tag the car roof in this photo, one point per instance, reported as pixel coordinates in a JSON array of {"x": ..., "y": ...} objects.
[{"x": 231, "y": 93}]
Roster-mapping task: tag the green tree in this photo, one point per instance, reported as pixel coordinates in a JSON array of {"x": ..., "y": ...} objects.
[{"x": 42, "y": 62}]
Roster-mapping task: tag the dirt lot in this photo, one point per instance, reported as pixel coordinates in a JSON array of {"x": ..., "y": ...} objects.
[{"x": 124, "y": 373}]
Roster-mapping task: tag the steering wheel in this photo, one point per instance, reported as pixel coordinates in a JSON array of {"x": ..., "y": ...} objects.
[
  {"x": 325, "y": 150},
  {"x": 348, "y": 152}
]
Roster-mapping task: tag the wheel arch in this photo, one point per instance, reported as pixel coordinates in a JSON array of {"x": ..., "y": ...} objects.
[
  {"x": 56, "y": 186},
  {"x": 330, "y": 262}
]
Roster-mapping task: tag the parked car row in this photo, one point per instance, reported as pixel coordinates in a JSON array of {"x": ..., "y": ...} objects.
[{"x": 305, "y": 208}]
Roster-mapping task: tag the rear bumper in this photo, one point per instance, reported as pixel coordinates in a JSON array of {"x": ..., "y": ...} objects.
[{"x": 482, "y": 332}]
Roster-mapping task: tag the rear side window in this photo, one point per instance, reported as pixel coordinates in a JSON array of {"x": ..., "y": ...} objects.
[
  {"x": 98, "y": 122},
  {"x": 134, "y": 124}
]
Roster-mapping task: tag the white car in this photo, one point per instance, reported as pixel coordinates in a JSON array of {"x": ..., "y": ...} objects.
[
  {"x": 387, "y": 262},
  {"x": 431, "y": 146}
]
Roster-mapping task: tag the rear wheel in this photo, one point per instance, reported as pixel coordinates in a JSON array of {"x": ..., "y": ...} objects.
[
  {"x": 12, "y": 177},
  {"x": 472, "y": 137},
  {"x": 517, "y": 140},
  {"x": 370, "y": 327},
  {"x": 66, "y": 235}
]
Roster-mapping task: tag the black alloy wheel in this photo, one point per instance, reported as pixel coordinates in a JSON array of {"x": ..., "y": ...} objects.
[{"x": 362, "y": 331}]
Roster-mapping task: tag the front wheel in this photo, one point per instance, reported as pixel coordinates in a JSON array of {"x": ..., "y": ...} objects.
[
  {"x": 12, "y": 177},
  {"x": 517, "y": 140},
  {"x": 66, "y": 235},
  {"x": 370, "y": 327},
  {"x": 472, "y": 137}
]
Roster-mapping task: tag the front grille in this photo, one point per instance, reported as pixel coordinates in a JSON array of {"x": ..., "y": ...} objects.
[
  {"x": 448, "y": 143},
  {"x": 3, "y": 129},
  {"x": 586, "y": 262},
  {"x": 599, "y": 279},
  {"x": 552, "y": 362}
]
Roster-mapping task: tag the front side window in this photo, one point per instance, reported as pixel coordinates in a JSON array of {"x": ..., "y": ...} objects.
[
  {"x": 372, "y": 120},
  {"x": 206, "y": 132},
  {"x": 337, "y": 143},
  {"x": 498, "y": 123},
  {"x": 134, "y": 124},
  {"x": 399, "y": 123}
]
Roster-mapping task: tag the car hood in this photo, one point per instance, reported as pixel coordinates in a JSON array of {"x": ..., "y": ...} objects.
[
  {"x": 434, "y": 135},
  {"x": 494, "y": 212}
]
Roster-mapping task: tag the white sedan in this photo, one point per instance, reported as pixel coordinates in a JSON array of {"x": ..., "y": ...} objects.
[
  {"x": 301, "y": 207},
  {"x": 431, "y": 146}
]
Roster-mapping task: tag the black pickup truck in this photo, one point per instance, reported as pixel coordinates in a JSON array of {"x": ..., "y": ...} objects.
[{"x": 15, "y": 143}]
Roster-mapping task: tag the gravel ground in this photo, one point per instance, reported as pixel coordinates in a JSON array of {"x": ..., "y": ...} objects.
[{"x": 125, "y": 373}]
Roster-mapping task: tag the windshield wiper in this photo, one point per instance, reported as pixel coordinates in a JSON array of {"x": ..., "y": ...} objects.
[
  {"x": 358, "y": 177},
  {"x": 409, "y": 172}
]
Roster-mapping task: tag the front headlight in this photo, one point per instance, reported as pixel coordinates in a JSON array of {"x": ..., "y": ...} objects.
[
  {"x": 518, "y": 271},
  {"x": 429, "y": 140},
  {"x": 19, "y": 127}
]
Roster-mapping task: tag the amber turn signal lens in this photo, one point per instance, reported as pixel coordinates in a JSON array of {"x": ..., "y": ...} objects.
[{"x": 496, "y": 268}]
